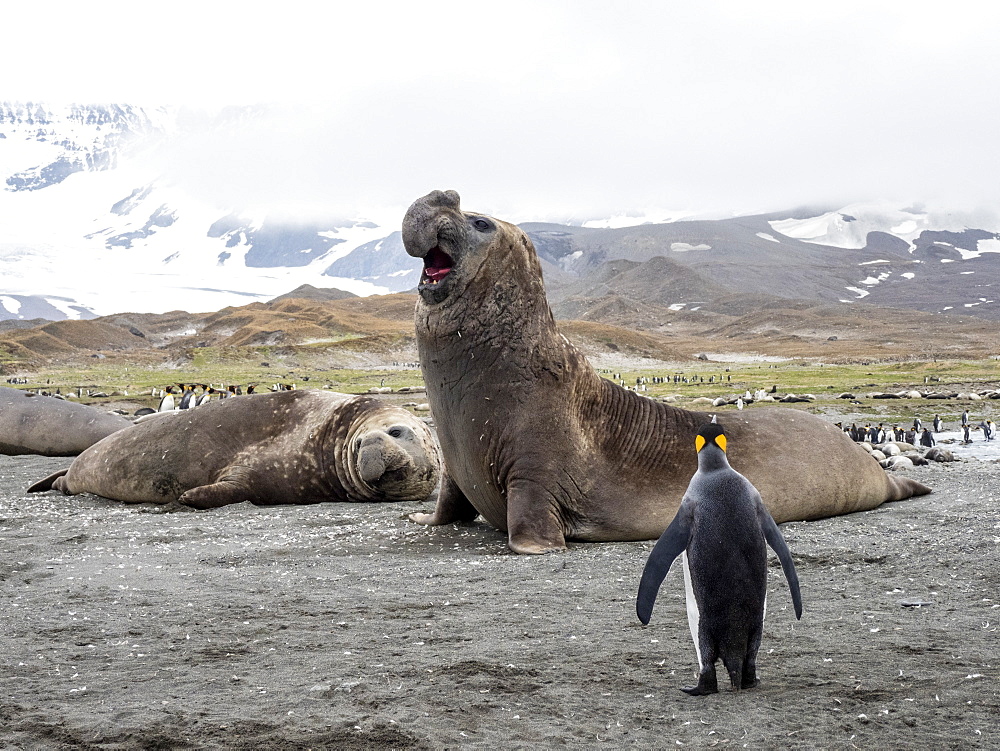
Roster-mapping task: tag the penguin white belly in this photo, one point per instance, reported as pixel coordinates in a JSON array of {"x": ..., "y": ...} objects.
[{"x": 694, "y": 615}]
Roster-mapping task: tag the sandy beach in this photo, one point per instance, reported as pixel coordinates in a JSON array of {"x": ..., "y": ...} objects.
[{"x": 347, "y": 626}]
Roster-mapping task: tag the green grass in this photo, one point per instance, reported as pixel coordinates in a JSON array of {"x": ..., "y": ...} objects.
[
  {"x": 820, "y": 379},
  {"x": 224, "y": 366},
  {"x": 827, "y": 382},
  {"x": 138, "y": 379}
]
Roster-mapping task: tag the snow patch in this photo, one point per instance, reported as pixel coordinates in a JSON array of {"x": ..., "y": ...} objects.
[
  {"x": 684, "y": 247},
  {"x": 63, "y": 306},
  {"x": 765, "y": 236},
  {"x": 991, "y": 245},
  {"x": 678, "y": 306},
  {"x": 869, "y": 263},
  {"x": 860, "y": 292},
  {"x": 909, "y": 274},
  {"x": 876, "y": 279},
  {"x": 905, "y": 228},
  {"x": 12, "y": 306}
]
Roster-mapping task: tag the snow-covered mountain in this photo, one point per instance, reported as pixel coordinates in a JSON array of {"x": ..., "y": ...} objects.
[
  {"x": 888, "y": 256},
  {"x": 91, "y": 225},
  {"x": 88, "y": 228}
]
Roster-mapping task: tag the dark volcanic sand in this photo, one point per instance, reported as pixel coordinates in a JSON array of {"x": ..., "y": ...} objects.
[{"x": 346, "y": 626}]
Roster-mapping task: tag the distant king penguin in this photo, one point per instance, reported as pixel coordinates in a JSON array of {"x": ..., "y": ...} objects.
[{"x": 720, "y": 531}]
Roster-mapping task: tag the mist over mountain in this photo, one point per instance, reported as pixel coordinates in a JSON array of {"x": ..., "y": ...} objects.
[{"x": 91, "y": 224}]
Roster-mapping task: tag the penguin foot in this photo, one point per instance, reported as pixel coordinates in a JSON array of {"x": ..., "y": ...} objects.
[
  {"x": 707, "y": 684},
  {"x": 751, "y": 683},
  {"x": 699, "y": 690}
]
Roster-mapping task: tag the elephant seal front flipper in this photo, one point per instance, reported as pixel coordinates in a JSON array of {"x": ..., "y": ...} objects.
[
  {"x": 452, "y": 506},
  {"x": 533, "y": 522},
  {"x": 231, "y": 489}
]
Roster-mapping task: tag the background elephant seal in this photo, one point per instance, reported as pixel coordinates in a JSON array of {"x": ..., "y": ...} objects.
[
  {"x": 286, "y": 447},
  {"x": 544, "y": 448},
  {"x": 34, "y": 424}
]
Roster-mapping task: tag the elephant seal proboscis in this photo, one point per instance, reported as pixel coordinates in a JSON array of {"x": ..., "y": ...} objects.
[
  {"x": 288, "y": 447},
  {"x": 35, "y": 424},
  {"x": 544, "y": 448}
]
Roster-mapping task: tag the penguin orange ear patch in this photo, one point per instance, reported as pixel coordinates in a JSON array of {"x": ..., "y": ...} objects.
[
  {"x": 720, "y": 440},
  {"x": 699, "y": 442}
]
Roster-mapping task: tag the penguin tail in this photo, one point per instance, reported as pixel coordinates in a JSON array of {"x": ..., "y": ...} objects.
[
  {"x": 904, "y": 487},
  {"x": 42, "y": 485},
  {"x": 734, "y": 666}
]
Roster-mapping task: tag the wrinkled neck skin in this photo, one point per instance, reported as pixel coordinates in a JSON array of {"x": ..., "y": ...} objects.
[{"x": 497, "y": 341}]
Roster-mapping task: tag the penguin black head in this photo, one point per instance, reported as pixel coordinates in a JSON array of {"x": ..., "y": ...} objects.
[{"x": 711, "y": 434}]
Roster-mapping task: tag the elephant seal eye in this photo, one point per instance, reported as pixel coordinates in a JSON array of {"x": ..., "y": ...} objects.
[
  {"x": 395, "y": 432},
  {"x": 483, "y": 225}
]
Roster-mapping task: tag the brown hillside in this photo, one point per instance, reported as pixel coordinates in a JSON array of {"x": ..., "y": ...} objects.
[
  {"x": 67, "y": 338},
  {"x": 854, "y": 331},
  {"x": 364, "y": 329},
  {"x": 309, "y": 292},
  {"x": 595, "y": 338},
  {"x": 382, "y": 322}
]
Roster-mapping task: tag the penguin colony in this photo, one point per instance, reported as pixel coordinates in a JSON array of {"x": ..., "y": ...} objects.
[
  {"x": 721, "y": 531},
  {"x": 917, "y": 434}
]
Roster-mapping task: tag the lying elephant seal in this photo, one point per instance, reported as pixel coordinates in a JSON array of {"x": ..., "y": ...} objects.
[
  {"x": 285, "y": 447},
  {"x": 544, "y": 448},
  {"x": 35, "y": 424}
]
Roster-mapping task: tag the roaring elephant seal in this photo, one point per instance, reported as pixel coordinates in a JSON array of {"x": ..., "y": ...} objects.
[
  {"x": 35, "y": 424},
  {"x": 286, "y": 447},
  {"x": 544, "y": 448}
]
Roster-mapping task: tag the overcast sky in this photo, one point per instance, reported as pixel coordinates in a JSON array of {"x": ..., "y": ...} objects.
[{"x": 547, "y": 109}]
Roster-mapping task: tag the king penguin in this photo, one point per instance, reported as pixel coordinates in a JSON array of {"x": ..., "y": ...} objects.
[{"x": 721, "y": 531}]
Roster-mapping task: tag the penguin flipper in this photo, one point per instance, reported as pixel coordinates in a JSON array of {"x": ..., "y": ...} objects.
[
  {"x": 671, "y": 544},
  {"x": 777, "y": 542}
]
